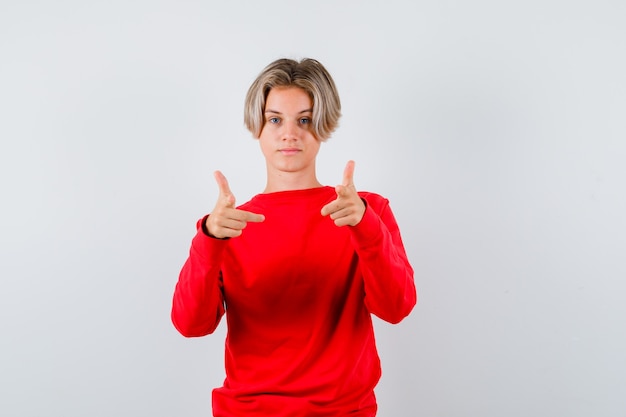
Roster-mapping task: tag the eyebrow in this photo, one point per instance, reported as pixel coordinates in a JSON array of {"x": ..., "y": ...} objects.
[{"x": 277, "y": 112}]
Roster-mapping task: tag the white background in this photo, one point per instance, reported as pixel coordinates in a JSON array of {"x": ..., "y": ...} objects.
[{"x": 496, "y": 129}]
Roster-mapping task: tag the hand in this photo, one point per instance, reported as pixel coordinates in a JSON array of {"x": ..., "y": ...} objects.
[
  {"x": 348, "y": 208},
  {"x": 225, "y": 220}
]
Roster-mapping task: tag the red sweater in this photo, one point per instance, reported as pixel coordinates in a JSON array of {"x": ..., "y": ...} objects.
[{"x": 298, "y": 292}]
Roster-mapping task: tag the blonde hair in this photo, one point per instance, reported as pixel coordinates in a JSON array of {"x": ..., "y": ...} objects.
[{"x": 309, "y": 75}]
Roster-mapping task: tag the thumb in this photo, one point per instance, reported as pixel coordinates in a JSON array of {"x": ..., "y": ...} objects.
[
  {"x": 225, "y": 193},
  {"x": 348, "y": 174},
  {"x": 342, "y": 191}
]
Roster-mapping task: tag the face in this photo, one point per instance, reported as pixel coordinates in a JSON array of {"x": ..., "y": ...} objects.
[{"x": 287, "y": 139}]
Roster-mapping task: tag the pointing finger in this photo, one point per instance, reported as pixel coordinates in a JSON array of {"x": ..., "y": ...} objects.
[
  {"x": 329, "y": 208},
  {"x": 253, "y": 217}
]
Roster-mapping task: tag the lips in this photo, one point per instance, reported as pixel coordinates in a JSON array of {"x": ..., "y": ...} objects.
[{"x": 289, "y": 151}]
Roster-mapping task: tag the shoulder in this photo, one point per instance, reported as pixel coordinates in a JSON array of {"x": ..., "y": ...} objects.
[{"x": 376, "y": 201}]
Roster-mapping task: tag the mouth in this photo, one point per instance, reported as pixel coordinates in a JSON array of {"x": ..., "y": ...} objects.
[{"x": 289, "y": 151}]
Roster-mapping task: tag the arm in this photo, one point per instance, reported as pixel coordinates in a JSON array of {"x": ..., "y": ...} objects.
[
  {"x": 388, "y": 276},
  {"x": 198, "y": 303}
]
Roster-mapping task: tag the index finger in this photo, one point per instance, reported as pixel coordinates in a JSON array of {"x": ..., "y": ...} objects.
[{"x": 252, "y": 217}]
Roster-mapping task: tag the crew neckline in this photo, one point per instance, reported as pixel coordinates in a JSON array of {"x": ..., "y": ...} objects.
[{"x": 291, "y": 194}]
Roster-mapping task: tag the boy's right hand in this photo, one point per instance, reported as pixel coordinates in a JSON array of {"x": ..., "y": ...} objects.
[{"x": 225, "y": 220}]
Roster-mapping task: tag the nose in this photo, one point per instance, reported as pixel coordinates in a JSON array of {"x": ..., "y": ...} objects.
[{"x": 290, "y": 131}]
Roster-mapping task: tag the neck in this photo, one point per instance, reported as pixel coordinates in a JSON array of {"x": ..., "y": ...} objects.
[{"x": 288, "y": 181}]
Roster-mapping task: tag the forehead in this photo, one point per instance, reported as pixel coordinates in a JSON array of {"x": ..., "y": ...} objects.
[{"x": 288, "y": 98}]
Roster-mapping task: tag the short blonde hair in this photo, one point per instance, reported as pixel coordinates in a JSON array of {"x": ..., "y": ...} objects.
[{"x": 309, "y": 75}]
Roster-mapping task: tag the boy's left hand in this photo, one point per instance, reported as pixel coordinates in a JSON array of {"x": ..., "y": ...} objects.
[{"x": 348, "y": 208}]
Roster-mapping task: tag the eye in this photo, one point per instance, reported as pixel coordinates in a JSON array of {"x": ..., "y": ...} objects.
[
  {"x": 305, "y": 121},
  {"x": 273, "y": 120}
]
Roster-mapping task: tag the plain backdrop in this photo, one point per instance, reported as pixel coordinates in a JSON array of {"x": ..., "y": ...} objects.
[{"x": 496, "y": 129}]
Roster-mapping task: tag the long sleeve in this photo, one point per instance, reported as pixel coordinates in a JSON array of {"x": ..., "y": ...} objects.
[
  {"x": 300, "y": 294},
  {"x": 198, "y": 302},
  {"x": 388, "y": 276}
]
